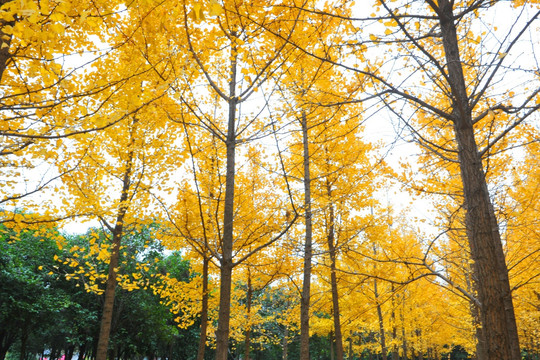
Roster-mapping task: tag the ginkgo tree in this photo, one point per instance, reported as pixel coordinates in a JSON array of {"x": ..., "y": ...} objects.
[
  {"x": 338, "y": 173},
  {"x": 128, "y": 158},
  {"x": 446, "y": 60},
  {"x": 235, "y": 57},
  {"x": 322, "y": 128}
]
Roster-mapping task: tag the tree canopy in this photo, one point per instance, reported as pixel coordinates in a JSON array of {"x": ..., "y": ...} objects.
[{"x": 290, "y": 179}]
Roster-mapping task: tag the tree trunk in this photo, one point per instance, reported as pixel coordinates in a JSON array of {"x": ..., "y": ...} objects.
[
  {"x": 247, "y": 339},
  {"x": 306, "y": 285},
  {"x": 204, "y": 311},
  {"x": 285, "y": 343},
  {"x": 491, "y": 274},
  {"x": 226, "y": 261},
  {"x": 110, "y": 287},
  {"x": 108, "y": 303},
  {"x": 333, "y": 280},
  {"x": 403, "y": 333},
  {"x": 382, "y": 333},
  {"x": 381, "y": 321},
  {"x": 395, "y": 354},
  {"x": 476, "y": 322}
]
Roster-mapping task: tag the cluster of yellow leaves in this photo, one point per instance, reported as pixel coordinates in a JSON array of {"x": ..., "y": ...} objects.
[{"x": 89, "y": 268}]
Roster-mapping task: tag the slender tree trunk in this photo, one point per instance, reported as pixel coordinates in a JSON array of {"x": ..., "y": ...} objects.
[
  {"x": 226, "y": 261},
  {"x": 395, "y": 354},
  {"x": 306, "y": 286},
  {"x": 204, "y": 310},
  {"x": 108, "y": 303},
  {"x": 247, "y": 339},
  {"x": 382, "y": 333},
  {"x": 491, "y": 274},
  {"x": 110, "y": 287},
  {"x": 381, "y": 321},
  {"x": 403, "y": 334},
  {"x": 333, "y": 279},
  {"x": 285, "y": 343},
  {"x": 226, "y": 264}
]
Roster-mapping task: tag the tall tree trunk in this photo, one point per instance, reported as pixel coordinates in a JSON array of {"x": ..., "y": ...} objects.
[
  {"x": 395, "y": 353},
  {"x": 333, "y": 279},
  {"x": 110, "y": 287},
  {"x": 226, "y": 261},
  {"x": 491, "y": 274},
  {"x": 403, "y": 333},
  {"x": 306, "y": 285},
  {"x": 247, "y": 339},
  {"x": 381, "y": 321},
  {"x": 382, "y": 333},
  {"x": 108, "y": 303},
  {"x": 204, "y": 310}
]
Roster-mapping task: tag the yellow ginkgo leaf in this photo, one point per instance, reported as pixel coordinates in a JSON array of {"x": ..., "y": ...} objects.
[
  {"x": 215, "y": 8},
  {"x": 197, "y": 13}
]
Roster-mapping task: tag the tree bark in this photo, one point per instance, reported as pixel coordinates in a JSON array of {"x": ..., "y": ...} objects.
[
  {"x": 333, "y": 280},
  {"x": 247, "y": 339},
  {"x": 108, "y": 303},
  {"x": 476, "y": 322},
  {"x": 381, "y": 321},
  {"x": 110, "y": 287},
  {"x": 491, "y": 274},
  {"x": 382, "y": 333},
  {"x": 226, "y": 261},
  {"x": 395, "y": 354},
  {"x": 306, "y": 285},
  {"x": 204, "y": 311},
  {"x": 403, "y": 333}
]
